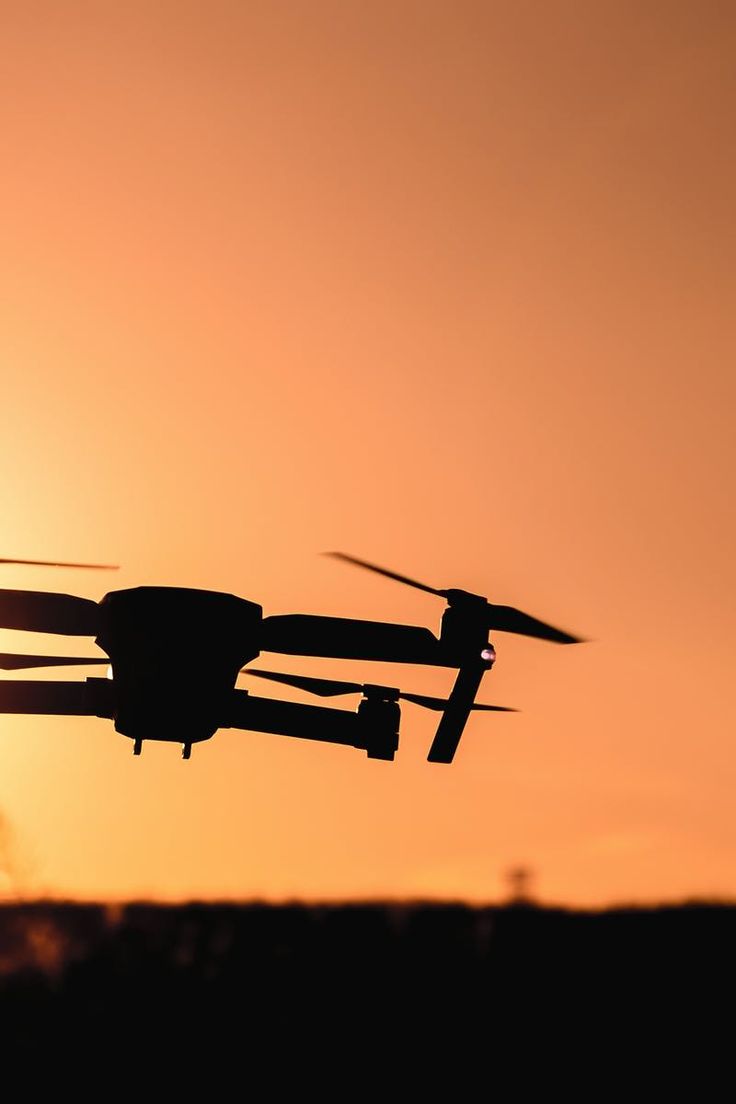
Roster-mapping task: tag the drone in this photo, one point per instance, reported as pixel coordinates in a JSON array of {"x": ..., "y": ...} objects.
[{"x": 174, "y": 656}]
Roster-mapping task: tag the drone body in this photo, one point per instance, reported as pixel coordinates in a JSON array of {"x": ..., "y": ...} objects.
[
  {"x": 163, "y": 642},
  {"x": 175, "y": 654}
]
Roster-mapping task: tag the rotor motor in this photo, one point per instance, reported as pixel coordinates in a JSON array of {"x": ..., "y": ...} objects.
[{"x": 464, "y": 629}]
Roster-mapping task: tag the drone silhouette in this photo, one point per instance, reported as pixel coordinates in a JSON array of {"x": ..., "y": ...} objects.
[{"x": 174, "y": 656}]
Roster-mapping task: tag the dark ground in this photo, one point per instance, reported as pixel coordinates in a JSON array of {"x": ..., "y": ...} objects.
[{"x": 295, "y": 988}]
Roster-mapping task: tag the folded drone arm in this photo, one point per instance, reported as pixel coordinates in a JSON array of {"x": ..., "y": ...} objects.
[
  {"x": 346, "y": 638},
  {"x": 76, "y": 699},
  {"x": 47, "y": 612},
  {"x": 309, "y": 722}
]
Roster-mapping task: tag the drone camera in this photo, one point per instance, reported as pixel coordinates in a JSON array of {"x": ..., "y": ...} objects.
[
  {"x": 383, "y": 749},
  {"x": 380, "y": 723}
]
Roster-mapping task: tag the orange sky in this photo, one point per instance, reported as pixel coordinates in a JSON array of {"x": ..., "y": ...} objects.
[{"x": 446, "y": 285}]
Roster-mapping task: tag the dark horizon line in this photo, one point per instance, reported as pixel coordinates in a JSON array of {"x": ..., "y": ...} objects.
[{"x": 388, "y": 902}]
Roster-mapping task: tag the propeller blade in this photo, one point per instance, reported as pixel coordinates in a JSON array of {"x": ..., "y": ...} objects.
[
  {"x": 508, "y": 619},
  {"x": 10, "y": 662},
  {"x": 440, "y": 704},
  {"x": 56, "y": 563},
  {"x": 385, "y": 571},
  {"x": 326, "y": 688},
  {"x": 503, "y": 618},
  {"x": 43, "y": 611}
]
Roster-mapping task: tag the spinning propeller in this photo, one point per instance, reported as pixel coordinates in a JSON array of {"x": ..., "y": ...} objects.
[
  {"x": 57, "y": 563},
  {"x": 329, "y": 688},
  {"x": 464, "y": 634},
  {"x": 501, "y": 618}
]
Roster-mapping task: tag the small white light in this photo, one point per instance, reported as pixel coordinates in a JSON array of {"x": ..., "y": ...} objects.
[
  {"x": 109, "y": 673},
  {"x": 488, "y": 654}
]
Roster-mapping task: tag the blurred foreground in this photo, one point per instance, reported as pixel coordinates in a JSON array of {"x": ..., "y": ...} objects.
[{"x": 275, "y": 985}]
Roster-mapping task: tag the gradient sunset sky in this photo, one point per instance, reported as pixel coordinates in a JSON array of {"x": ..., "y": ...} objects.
[{"x": 446, "y": 285}]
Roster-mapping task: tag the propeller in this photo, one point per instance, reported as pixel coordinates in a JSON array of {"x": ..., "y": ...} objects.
[
  {"x": 43, "y": 611},
  {"x": 502, "y": 618},
  {"x": 328, "y": 688},
  {"x": 56, "y": 563},
  {"x": 10, "y": 662},
  {"x": 389, "y": 574}
]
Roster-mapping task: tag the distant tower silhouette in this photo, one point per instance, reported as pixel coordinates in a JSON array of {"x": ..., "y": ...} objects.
[
  {"x": 11, "y": 864},
  {"x": 519, "y": 880}
]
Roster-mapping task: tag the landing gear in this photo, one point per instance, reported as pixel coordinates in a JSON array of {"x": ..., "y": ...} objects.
[
  {"x": 186, "y": 751},
  {"x": 137, "y": 747}
]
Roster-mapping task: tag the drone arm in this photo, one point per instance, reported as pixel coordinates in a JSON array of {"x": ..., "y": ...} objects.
[
  {"x": 310, "y": 722},
  {"x": 43, "y": 611},
  {"x": 345, "y": 638},
  {"x": 76, "y": 699}
]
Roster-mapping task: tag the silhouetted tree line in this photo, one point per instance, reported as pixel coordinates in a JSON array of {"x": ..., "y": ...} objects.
[{"x": 276, "y": 986}]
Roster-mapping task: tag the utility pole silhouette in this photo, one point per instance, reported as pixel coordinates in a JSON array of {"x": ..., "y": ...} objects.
[{"x": 519, "y": 880}]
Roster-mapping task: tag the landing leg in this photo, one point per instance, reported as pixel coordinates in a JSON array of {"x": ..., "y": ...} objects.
[
  {"x": 459, "y": 705},
  {"x": 137, "y": 747},
  {"x": 186, "y": 751}
]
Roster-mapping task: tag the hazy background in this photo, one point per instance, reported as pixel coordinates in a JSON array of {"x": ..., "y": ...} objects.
[{"x": 445, "y": 285}]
